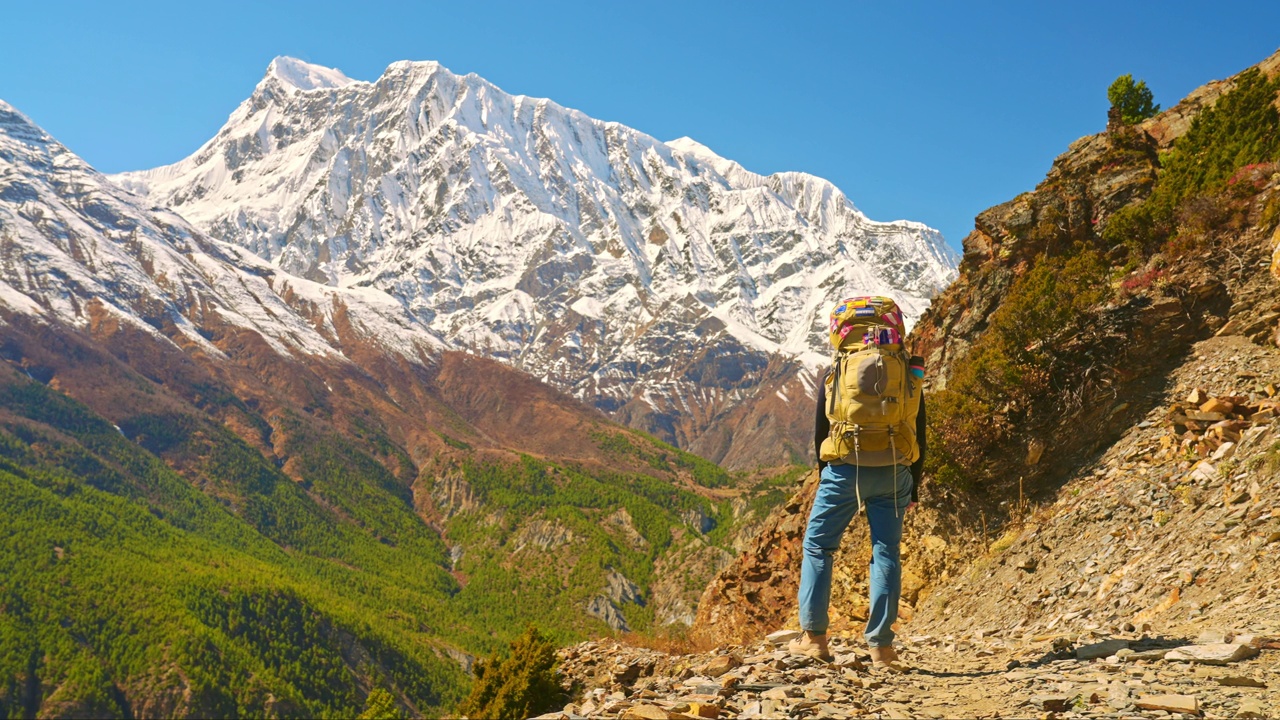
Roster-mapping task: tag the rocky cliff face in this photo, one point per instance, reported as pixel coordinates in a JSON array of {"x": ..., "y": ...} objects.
[
  {"x": 1138, "y": 338},
  {"x": 1097, "y": 175},
  {"x": 658, "y": 281},
  {"x": 1094, "y": 178}
]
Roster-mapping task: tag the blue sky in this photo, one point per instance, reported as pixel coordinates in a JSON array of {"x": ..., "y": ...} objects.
[{"x": 927, "y": 111}]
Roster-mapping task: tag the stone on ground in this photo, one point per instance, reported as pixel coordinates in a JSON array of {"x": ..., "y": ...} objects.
[
  {"x": 1252, "y": 709},
  {"x": 1240, "y": 681},
  {"x": 1106, "y": 648},
  {"x": 1169, "y": 703},
  {"x": 1213, "y": 653},
  {"x": 646, "y": 712},
  {"x": 781, "y": 637},
  {"x": 1051, "y": 703},
  {"x": 720, "y": 665}
]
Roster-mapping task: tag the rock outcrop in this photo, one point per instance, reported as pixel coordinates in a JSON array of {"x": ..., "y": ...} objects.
[{"x": 1175, "y": 524}]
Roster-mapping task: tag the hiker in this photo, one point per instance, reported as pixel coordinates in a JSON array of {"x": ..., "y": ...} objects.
[{"x": 870, "y": 441}]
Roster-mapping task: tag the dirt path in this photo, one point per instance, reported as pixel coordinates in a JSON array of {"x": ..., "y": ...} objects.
[{"x": 984, "y": 677}]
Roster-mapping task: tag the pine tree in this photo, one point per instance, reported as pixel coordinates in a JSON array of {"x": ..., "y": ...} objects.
[
  {"x": 1131, "y": 100},
  {"x": 519, "y": 686},
  {"x": 381, "y": 705}
]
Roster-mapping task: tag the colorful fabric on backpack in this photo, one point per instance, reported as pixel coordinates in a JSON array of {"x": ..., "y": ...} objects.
[
  {"x": 917, "y": 366},
  {"x": 870, "y": 316}
]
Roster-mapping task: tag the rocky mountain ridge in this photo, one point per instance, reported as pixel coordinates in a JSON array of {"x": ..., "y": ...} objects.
[
  {"x": 664, "y": 284},
  {"x": 81, "y": 255},
  {"x": 78, "y": 250}
]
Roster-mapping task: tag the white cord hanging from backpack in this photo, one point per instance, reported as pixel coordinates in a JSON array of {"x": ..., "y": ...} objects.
[
  {"x": 893, "y": 450},
  {"x": 857, "y": 470}
]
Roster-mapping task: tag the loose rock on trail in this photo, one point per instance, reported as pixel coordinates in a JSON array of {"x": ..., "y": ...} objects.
[{"x": 979, "y": 675}]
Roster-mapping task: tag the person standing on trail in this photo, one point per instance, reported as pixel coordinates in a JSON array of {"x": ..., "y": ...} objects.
[{"x": 870, "y": 440}]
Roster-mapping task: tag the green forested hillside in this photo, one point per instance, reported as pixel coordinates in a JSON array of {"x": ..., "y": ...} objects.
[
  {"x": 164, "y": 566},
  {"x": 120, "y": 579}
]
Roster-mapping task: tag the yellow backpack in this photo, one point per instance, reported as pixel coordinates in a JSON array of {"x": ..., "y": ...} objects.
[{"x": 874, "y": 387}]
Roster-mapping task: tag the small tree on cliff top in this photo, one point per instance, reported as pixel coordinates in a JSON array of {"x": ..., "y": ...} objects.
[{"x": 1132, "y": 100}]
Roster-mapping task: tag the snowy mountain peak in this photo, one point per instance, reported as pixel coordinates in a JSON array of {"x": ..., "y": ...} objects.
[
  {"x": 637, "y": 274},
  {"x": 16, "y": 125},
  {"x": 425, "y": 67},
  {"x": 693, "y": 147},
  {"x": 304, "y": 76},
  {"x": 689, "y": 146},
  {"x": 10, "y": 110}
]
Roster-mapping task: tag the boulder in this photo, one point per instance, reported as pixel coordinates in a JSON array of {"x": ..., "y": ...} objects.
[{"x": 1213, "y": 653}]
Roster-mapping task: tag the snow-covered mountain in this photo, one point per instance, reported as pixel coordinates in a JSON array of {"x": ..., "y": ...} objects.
[
  {"x": 78, "y": 250},
  {"x": 105, "y": 299},
  {"x": 655, "y": 280}
]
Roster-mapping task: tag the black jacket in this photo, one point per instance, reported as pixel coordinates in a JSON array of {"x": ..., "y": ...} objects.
[{"x": 822, "y": 428}]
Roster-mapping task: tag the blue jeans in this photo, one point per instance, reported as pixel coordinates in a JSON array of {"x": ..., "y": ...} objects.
[{"x": 834, "y": 506}]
